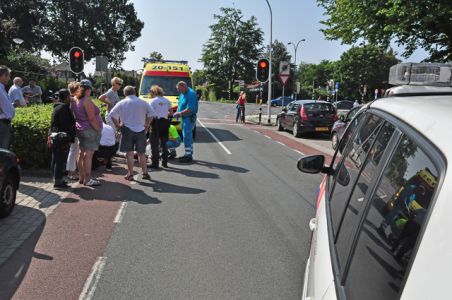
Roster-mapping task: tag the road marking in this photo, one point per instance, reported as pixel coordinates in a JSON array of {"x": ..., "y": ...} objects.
[
  {"x": 301, "y": 153},
  {"x": 120, "y": 213},
  {"x": 215, "y": 138},
  {"x": 281, "y": 143},
  {"x": 93, "y": 279},
  {"x": 267, "y": 137}
]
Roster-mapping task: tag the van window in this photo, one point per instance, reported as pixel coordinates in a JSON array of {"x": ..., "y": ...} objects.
[
  {"x": 167, "y": 83},
  {"x": 391, "y": 227},
  {"x": 350, "y": 220},
  {"x": 318, "y": 107},
  {"x": 346, "y": 174}
]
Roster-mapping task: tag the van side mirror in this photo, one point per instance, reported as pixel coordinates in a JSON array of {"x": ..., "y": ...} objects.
[{"x": 313, "y": 164}]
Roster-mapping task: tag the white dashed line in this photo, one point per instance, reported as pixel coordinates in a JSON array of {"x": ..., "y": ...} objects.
[
  {"x": 301, "y": 153},
  {"x": 267, "y": 137},
  {"x": 281, "y": 143},
  {"x": 120, "y": 213},
  {"x": 93, "y": 279},
  {"x": 215, "y": 138}
]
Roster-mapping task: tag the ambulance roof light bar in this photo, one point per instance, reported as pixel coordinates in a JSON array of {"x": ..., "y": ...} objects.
[{"x": 429, "y": 74}]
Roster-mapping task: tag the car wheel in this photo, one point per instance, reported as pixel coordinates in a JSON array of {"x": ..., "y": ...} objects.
[
  {"x": 7, "y": 196},
  {"x": 334, "y": 140},
  {"x": 296, "y": 130},
  {"x": 278, "y": 124}
]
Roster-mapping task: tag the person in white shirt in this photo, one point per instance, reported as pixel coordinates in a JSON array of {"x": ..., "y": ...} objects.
[
  {"x": 107, "y": 149},
  {"x": 135, "y": 115},
  {"x": 7, "y": 110},
  {"x": 15, "y": 93},
  {"x": 160, "y": 126}
]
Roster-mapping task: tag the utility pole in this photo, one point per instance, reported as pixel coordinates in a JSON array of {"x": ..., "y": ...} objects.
[
  {"x": 295, "y": 62},
  {"x": 269, "y": 98}
]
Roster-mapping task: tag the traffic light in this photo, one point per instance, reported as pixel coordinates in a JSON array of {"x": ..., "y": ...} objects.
[
  {"x": 76, "y": 60},
  {"x": 263, "y": 70}
]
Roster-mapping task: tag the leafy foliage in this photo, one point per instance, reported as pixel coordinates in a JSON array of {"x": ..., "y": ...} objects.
[
  {"x": 153, "y": 55},
  {"x": 233, "y": 48},
  {"x": 412, "y": 23}
]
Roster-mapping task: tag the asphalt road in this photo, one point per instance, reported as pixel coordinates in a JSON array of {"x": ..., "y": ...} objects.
[{"x": 228, "y": 226}]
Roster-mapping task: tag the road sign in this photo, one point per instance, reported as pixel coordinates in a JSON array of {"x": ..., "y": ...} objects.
[
  {"x": 101, "y": 63},
  {"x": 284, "y": 68},
  {"x": 337, "y": 86},
  {"x": 284, "y": 78}
]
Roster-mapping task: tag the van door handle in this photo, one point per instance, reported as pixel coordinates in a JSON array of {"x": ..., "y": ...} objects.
[{"x": 313, "y": 224}]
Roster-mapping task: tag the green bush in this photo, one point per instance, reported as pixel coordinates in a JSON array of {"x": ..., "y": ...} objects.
[{"x": 30, "y": 130}]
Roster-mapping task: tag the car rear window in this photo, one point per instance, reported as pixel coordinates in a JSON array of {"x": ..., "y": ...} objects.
[
  {"x": 345, "y": 105},
  {"x": 315, "y": 107}
]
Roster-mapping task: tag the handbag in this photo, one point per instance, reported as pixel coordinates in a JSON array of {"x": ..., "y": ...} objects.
[{"x": 60, "y": 138}]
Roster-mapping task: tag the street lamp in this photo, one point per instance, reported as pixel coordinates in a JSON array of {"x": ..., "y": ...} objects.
[
  {"x": 269, "y": 98},
  {"x": 18, "y": 41},
  {"x": 295, "y": 59}
]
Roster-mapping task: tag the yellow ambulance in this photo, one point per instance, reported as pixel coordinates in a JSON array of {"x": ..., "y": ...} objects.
[{"x": 166, "y": 74}]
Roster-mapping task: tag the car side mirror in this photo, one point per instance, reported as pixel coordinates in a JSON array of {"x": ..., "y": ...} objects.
[
  {"x": 313, "y": 164},
  {"x": 342, "y": 118},
  {"x": 284, "y": 109}
]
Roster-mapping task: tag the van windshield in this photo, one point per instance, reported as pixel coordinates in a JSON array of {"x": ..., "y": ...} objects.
[{"x": 168, "y": 84}]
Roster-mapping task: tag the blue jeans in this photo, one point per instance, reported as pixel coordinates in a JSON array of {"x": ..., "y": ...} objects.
[
  {"x": 172, "y": 145},
  {"x": 187, "y": 133}
]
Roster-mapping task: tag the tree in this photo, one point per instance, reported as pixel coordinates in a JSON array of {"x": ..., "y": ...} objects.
[
  {"x": 367, "y": 65},
  {"x": 153, "y": 55},
  {"x": 412, "y": 23},
  {"x": 233, "y": 48},
  {"x": 99, "y": 27},
  {"x": 199, "y": 77},
  {"x": 319, "y": 75}
]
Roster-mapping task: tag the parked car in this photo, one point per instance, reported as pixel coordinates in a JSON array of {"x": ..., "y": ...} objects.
[
  {"x": 343, "y": 107},
  {"x": 307, "y": 116},
  {"x": 382, "y": 227},
  {"x": 281, "y": 101},
  {"x": 340, "y": 125},
  {"x": 9, "y": 181}
]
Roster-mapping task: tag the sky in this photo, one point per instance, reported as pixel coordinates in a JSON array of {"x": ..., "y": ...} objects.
[{"x": 178, "y": 29}]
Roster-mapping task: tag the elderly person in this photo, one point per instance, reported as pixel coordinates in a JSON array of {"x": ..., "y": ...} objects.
[
  {"x": 62, "y": 122},
  {"x": 33, "y": 91},
  {"x": 187, "y": 109},
  {"x": 135, "y": 115},
  {"x": 160, "y": 126},
  {"x": 15, "y": 93},
  {"x": 111, "y": 97},
  {"x": 89, "y": 128},
  {"x": 7, "y": 110}
]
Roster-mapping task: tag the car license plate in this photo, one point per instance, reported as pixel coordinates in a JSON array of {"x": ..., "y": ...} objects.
[{"x": 321, "y": 129}]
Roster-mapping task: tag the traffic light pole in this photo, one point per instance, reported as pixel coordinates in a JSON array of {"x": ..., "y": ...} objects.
[{"x": 269, "y": 98}]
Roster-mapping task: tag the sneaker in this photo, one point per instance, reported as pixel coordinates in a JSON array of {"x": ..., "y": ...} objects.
[
  {"x": 153, "y": 166},
  {"x": 165, "y": 164},
  {"x": 186, "y": 159},
  {"x": 62, "y": 185},
  {"x": 93, "y": 182}
]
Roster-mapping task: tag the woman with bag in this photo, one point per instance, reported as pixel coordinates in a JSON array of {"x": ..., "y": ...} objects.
[{"x": 62, "y": 134}]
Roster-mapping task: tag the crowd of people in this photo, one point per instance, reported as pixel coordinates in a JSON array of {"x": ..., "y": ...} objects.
[{"x": 81, "y": 140}]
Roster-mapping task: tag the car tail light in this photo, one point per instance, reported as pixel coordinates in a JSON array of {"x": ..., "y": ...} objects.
[{"x": 303, "y": 114}]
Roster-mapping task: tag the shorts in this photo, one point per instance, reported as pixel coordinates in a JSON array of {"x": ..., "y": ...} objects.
[
  {"x": 89, "y": 139},
  {"x": 132, "y": 141}
]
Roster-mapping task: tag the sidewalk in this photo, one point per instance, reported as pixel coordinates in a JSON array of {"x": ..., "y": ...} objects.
[
  {"x": 264, "y": 119},
  {"x": 36, "y": 200}
]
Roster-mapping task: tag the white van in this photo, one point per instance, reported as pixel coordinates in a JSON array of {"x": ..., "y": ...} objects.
[{"x": 382, "y": 229}]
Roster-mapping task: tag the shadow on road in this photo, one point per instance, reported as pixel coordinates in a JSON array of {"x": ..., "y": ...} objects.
[
  {"x": 209, "y": 165},
  {"x": 164, "y": 187},
  {"x": 13, "y": 271},
  {"x": 222, "y": 135},
  {"x": 193, "y": 173}
]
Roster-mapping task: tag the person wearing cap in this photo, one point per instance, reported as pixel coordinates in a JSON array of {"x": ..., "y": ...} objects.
[
  {"x": 160, "y": 126},
  {"x": 61, "y": 135},
  {"x": 88, "y": 124},
  {"x": 7, "y": 110},
  {"x": 15, "y": 93}
]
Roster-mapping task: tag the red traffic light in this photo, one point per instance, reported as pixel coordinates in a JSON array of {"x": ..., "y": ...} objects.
[
  {"x": 77, "y": 54},
  {"x": 263, "y": 70},
  {"x": 263, "y": 64},
  {"x": 76, "y": 60}
]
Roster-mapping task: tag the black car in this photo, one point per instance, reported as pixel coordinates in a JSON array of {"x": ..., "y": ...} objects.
[
  {"x": 307, "y": 116},
  {"x": 9, "y": 181}
]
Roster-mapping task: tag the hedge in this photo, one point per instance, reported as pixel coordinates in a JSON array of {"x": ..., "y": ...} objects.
[{"x": 30, "y": 128}]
